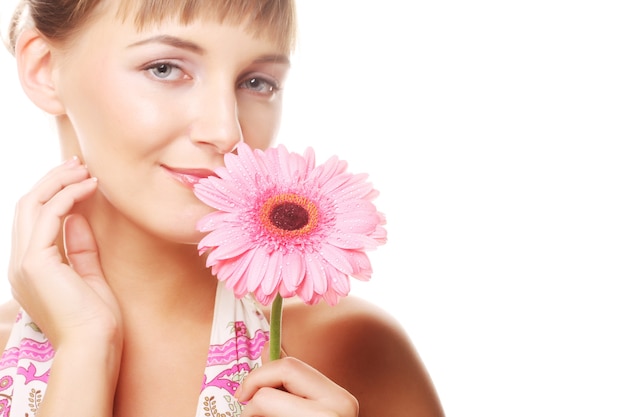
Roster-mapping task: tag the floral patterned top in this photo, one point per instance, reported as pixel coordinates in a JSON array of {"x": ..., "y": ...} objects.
[{"x": 239, "y": 332}]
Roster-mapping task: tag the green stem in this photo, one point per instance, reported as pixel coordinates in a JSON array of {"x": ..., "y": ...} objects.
[{"x": 276, "y": 319}]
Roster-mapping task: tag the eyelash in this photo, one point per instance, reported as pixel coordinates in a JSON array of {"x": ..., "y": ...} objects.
[
  {"x": 272, "y": 84},
  {"x": 159, "y": 64}
]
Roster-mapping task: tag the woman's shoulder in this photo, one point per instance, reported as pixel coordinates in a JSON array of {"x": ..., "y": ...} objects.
[
  {"x": 8, "y": 313},
  {"x": 354, "y": 324},
  {"x": 350, "y": 316},
  {"x": 364, "y": 349}
]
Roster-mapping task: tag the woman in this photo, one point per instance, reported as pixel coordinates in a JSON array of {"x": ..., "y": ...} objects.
[{"x": 116, "y": 311}]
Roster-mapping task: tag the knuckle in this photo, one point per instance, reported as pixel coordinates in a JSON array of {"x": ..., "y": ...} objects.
[
  {"x": 290, "y": 367},
  {"x": 14, "y": 276},
  {"x": 289, "y": 361},
  {"x": 23, "y": 202},
  {"x": 346, "y": 406},
  {"x": 350, "y": 406},
  {"x": 264, "y": 395},
  {"x": 20, "y": 273}
]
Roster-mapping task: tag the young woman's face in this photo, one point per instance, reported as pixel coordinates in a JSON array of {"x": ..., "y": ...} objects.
[{"x": 153, "y": 109}]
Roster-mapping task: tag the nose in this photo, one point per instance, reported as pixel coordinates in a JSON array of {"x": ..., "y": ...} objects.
[{"x": 217, "y": 120}]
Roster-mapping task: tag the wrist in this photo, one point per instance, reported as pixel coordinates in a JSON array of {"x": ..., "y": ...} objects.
[
  {"x": 95, "y": 361},
  {"x": 77, "y": 334},
  {"x": 101, "y": 352}
]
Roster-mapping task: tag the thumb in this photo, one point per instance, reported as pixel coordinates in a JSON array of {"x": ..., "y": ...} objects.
[
  {"x": 81, "y": 248},
  {"x": 265, "y": 353}
]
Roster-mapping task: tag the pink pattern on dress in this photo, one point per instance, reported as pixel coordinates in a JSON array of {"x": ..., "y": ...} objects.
[
  {"x": 30, "y": 374},
  {"x": 225, "y": 380},
  {"x": 24, "y": 369},
  {"x": 240, "y": 344},
  {"x": 28, "y": 349}
]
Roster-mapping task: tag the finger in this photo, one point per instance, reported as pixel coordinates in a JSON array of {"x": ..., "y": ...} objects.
[
  {"x": 47, "y": 225},
  {"x": 28, "y": 207},
  {"x": 306, "y": 392},
  {"x": 276, "y": 403},
  {"x": 81, "y": 248},
  {"x": 36, "y": 245},
  {"x": 58, "y": 176},
  {"x": 82, "y": 253},
  {"x": 293, "y": 375},
  {"x": 265, "y": 353}
]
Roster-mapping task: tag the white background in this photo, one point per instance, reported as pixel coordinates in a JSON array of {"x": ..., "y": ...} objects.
[{"x": 495, "y": 132}]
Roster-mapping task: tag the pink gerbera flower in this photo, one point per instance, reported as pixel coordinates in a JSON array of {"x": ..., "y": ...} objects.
[{"x": 284, "y": 226}]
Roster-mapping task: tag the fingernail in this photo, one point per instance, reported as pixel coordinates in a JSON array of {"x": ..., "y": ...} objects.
[
  {"x": 73, "y": 161},
  {"x": 238, "y": 394}
]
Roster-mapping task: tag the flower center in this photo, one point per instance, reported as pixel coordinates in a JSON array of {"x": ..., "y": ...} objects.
[{"x": 289, "y": 214}]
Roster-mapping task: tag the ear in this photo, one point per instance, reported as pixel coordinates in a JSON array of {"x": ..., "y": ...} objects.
[{"x": 35, "y": 70}]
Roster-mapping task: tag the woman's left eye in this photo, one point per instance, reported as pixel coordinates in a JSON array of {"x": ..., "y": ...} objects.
[
  {"x": 260, "y": 85},
  {"x": 165, "y": 71}
]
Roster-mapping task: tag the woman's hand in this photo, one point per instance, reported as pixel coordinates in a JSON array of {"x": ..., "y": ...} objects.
[
  {"x": 288, "y": 387},
  {"x": 69, "y": 300}
]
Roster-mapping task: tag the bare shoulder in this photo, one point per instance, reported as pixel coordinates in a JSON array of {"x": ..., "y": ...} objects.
[
  {"x": 8, "y": 312},
  {"x": 365, "y": 350}
]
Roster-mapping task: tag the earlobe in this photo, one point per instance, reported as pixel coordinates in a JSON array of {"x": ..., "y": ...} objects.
[{"x": 35, "y": 70}]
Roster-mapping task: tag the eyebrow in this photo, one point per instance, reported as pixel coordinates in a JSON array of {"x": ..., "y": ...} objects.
[
  {"x": 172, "y": 41},
  {"x": 194, "y": 47},
  {"x": 273, "y": 59}
]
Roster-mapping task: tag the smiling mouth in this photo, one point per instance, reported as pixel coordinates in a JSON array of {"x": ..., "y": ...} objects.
[{"x": 188, "y": 177}]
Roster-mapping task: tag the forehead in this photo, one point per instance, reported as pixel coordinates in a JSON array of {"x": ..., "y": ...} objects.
[{"x": 271, "y": 19}]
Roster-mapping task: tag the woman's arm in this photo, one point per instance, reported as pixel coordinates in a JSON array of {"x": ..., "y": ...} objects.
[
  {"x": 83, "y": 379},
  {"x": 67, "y": 295}
]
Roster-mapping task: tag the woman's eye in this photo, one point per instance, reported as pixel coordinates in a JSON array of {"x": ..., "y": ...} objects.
[
  {"x": 260, "y": 85},
  {"x": 165, "y": 71}
]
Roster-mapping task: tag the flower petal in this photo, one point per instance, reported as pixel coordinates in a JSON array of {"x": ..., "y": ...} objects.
[
  {"x": 336, "y": 258},
  {"x": 213, "y": 220},
  {"x": 224, "y": 247},
  {"x": 333, "y": 166},
  {"x": 360, "y": 265},
  {"x": 234, "y": 269},
  {"x": 294, "y": 270},
  {"x": 347, "y": 188},
  {"x": 257, "y": 269},
  {"x": 358, "y": 222},
  {"x": 315, "y": 272},
  {"x": 340, "y": 283},
  {"x": 305, "y": 290},
  {"x": 273, "y": 275},
  {"x": 331, "y": 298},
  {"x": 244, "y": 167},
  {"x": 353, "y": 241}
]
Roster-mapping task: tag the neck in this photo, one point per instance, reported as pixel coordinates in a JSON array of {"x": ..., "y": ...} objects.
[
  {"x": 67, "y": 137},
  {"x": 151, "y": 277}
]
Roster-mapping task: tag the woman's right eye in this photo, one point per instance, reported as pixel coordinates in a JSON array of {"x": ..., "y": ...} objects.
[{"x": 166, "y": 71}]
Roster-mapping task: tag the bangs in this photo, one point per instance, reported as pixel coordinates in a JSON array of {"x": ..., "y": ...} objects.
[{"x": 271, "y": 19}]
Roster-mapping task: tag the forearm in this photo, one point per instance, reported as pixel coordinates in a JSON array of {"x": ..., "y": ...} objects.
[{"x": 82, "y": 380}]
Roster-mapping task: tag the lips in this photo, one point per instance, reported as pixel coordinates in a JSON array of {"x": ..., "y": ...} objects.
[{"x": 189, "y": 176}]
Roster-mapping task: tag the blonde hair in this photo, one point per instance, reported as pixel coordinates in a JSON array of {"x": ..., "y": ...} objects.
[{"x": 60, "y": 20}]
